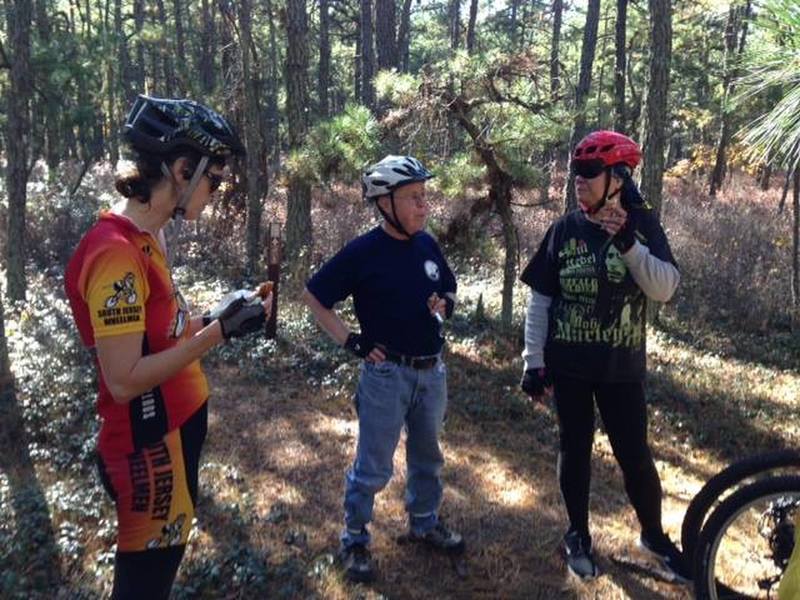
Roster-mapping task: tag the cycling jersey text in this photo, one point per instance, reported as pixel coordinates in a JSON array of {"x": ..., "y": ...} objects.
[{"x": 119, "y": 316}]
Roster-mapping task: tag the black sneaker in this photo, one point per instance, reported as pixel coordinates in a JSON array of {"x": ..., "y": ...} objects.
[
  {"x": 440, "y": 538},
  {"x": 578, "y": 555},
  {"x": 661, "y": 547},
  {"x": 357, "y": 563}
]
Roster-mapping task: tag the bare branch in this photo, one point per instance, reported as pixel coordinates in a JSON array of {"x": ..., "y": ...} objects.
[{"x": 535, "y": 204}]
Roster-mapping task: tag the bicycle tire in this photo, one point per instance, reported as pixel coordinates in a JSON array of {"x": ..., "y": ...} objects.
[
  {"x": 706, "y": 585},
  {"x": 726, "y": 479}
]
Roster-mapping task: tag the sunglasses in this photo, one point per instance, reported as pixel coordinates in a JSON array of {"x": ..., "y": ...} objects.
[
  {"x": 588, "y": 169},
  {"x": 214, "y": 180}
]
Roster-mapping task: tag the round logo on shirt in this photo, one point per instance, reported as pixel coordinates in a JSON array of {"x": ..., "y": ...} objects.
[{"x": 432, "y": 270}]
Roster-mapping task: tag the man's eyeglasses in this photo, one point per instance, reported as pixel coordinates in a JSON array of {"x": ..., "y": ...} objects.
[{"x": 588, "y": 169}]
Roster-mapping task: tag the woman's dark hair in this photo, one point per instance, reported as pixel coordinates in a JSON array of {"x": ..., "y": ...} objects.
[{"x": 138, "y": 178}]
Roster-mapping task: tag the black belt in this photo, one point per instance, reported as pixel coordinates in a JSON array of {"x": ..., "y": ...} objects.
[{"x": 415, "y": 362}]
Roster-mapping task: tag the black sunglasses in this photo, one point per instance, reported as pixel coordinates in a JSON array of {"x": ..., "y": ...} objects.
[
  {"x": 214, "y": 180},
  {"x": 588, "y": 169}
]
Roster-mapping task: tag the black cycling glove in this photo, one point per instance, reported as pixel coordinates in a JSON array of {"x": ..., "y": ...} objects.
[
  {"x": 626, "y": 237},
  {"x": 241, "y": 318},
  {"x": 534, "y": 381},
  {"x": 358, "y": 345}
]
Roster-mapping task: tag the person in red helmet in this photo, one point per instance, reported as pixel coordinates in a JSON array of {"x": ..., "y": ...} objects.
[{"x": 585, "y": 337}]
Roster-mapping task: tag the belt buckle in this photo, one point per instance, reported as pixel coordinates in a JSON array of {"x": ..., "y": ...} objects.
[{"x": 425, "y": 362}]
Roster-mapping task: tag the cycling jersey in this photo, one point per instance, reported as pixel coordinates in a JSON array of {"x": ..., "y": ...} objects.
[{"x": 118, "y": 282}]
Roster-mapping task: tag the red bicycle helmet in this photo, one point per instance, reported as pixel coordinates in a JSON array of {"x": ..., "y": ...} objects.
[{"x": 610, "y": 147}]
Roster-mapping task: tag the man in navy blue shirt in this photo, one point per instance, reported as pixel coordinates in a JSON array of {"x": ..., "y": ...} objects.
[{"x": 402, "y": 291}]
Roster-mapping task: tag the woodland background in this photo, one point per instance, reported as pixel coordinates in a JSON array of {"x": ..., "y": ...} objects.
[{"x": 491, "y": 95}]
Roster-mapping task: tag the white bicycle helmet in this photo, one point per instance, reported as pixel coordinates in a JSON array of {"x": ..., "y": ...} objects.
[{"x": 390, "y": 173}]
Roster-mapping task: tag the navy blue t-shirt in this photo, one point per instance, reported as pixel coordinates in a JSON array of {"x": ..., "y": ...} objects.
[
  {"x": 390, "y": 281},
  {"x": 597, "y": 320}
]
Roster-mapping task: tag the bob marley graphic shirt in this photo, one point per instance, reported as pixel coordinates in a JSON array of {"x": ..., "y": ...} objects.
[
  {"x": 118, "y": 282},
  {"x": 596, "y": 323}
]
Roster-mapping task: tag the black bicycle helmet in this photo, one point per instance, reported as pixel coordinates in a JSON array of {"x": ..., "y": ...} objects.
[{"x": 159, "y": 125}]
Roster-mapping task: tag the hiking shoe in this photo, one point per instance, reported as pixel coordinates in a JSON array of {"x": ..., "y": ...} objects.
[
  {"x": 661, "y": 547},
  {"x": 440, "y": 538},
  {"x": 357, "y": 563},
  {"x": 578, "y": 555}
]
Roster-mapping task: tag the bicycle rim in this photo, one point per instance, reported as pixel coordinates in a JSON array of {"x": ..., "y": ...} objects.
[{"x": 741, "y": 560}]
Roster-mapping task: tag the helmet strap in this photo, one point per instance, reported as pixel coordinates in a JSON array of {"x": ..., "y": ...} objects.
[
  {"x": 180, "y": 206},
  {"x": 393, "y": 220},
  {"x": 186, "y": 193}
]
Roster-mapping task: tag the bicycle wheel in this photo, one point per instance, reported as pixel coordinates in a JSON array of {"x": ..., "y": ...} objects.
[
  {"x": 730, "y": 477},
  {"x": 745, "y": 545}
]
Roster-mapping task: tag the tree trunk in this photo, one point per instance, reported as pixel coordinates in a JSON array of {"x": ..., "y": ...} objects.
[
  {"x": 403, "y": 37},
  {"x": 111, "y": 111},
  {"x": 51, "y": 117},
  {"x": 454, "y": 21},
  {"x": 582, "y": 91},
  {"x": 207, "y": 46},
  {"x": 229, "y": 57},
  {"x": 512, "y": 23},
  {"x": 252, "y": 137},
  {"x": 500, "y": 186},
  {"x": 170, "y": 85},
  {"x": 634, "y": 107},
  {"x": 138, "y": 23},
  {"x": 653, "y": 138},
  {"x": 601, "y": 76},
  {"x": 764, "y": 176},
  {"x": 271, "y": 139},
  {"x": 619, "y": 66},
  {"x": 323, "y": 75},
  {"x": 126, "y": 77},
  {"x": 367, "y": 56},
  {"x": 737, "y": 18},
  {"x": 558, "y": 9},
  {"x": 180, "y": 47},
  {"x": 357, "y": 63},
  {"x": 18, "y": 18},
  {"x": 298, "y": 218},
  {"x": 787, "y": 182},
  {"x": 500, "y": 190},
  {"x": 385, "y": 32},
  {"x": 473, "y": 17}
]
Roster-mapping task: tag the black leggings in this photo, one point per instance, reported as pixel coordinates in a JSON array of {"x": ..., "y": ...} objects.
[{"x": 624, "y": 413}]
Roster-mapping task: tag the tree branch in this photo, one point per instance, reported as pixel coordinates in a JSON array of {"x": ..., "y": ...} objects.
[{"x": 535, "y": 204}]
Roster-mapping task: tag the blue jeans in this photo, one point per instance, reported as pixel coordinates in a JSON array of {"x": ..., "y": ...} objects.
[{"x": 390, "y": 396}]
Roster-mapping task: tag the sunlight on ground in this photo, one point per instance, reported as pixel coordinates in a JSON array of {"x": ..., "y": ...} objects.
[
  {"x": 496, "y": 478},
  {"x": 780, "y": 387}
]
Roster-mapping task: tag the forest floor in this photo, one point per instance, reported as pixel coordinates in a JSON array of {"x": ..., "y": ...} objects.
[{"x": 282, "y": 433}]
